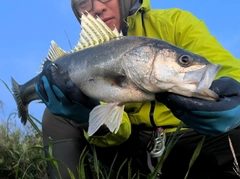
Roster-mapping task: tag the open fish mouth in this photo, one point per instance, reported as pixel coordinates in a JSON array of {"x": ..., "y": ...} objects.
[
  {"x": 209, "y": 75},
  {"x": 202, "y": 80}
]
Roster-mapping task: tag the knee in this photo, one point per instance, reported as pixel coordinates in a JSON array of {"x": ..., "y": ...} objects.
[{"x": 58, "y": 128}]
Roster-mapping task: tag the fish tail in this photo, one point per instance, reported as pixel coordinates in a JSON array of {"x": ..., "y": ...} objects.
[
  {"x": 22, "y": 108},
  {"x": 109, "y": 114}
]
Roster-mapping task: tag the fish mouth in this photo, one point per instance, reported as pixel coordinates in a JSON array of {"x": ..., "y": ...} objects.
[
  {"x": 209, "y": 75},
  {"x": 203, "y": 79}
]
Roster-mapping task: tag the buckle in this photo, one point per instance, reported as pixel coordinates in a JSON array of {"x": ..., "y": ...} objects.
[{"x": 157, "y": 146}]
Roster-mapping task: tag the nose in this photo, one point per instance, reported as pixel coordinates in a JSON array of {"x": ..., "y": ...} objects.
[{"x": 98, "y": 8}]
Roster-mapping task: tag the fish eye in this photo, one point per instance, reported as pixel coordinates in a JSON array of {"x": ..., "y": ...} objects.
[{"x": 185, "y": 60}]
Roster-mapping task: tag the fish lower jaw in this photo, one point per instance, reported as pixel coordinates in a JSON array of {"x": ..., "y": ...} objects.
[{"x": 203, "y": 93}]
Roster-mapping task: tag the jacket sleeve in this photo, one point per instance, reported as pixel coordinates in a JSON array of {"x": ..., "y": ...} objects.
[
  {"x": 112, "y": 139},
  {"x": 192, "y": 34}
]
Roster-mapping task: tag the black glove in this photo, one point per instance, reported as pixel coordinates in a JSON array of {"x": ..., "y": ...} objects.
[
  {"x": 62, "y": 96},
  {"x": 208, "y": 117}
]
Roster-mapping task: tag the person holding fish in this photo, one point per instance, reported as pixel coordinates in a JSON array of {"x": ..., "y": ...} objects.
[{"x": 65, "y": 120}]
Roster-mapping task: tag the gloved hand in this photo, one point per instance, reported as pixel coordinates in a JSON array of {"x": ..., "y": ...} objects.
[
  {"x": 62, "y": 96},
  {"x": 208, "y": 117}
]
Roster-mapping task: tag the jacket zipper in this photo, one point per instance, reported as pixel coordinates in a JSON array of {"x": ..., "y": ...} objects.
[{"x": 151, "y": 114}]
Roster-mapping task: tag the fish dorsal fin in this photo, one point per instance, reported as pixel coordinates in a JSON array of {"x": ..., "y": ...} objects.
[
  {"x": 94, "y": 32},
  {"x": 55, "y": 52}
]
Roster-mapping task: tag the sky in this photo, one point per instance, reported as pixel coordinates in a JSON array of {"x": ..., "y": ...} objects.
[{"x": 28, "y": 26}]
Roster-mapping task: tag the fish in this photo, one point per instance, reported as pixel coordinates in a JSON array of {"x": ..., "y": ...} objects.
[{"x": 117, "y": 69}]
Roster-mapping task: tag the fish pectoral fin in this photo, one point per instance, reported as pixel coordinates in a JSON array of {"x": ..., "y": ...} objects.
[
  {"x": 109, "y": 114},
  {"x": 113, "y": 121}
]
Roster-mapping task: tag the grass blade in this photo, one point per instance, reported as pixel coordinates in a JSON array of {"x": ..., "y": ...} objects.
[
  {"x": 195, "y": 155},
  {"x": 236, "y": 168}
]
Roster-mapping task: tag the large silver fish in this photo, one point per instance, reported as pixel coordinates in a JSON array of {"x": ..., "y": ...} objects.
[{"x": 120, "y": 69}]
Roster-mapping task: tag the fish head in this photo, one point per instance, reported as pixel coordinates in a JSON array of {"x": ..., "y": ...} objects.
[{"x": 161, "y": 67}]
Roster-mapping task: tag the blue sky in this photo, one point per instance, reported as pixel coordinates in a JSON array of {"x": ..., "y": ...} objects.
[{"x": 28, "y": 26}]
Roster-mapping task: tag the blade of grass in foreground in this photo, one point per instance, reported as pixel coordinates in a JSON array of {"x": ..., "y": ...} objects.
[
  {"x": 50, "y": 159},
  {"x": 81, "y": 166},
  {"x": 30, "y": 119},
  {"x": 195, "y": 155},
  {"x": 236, "y": 168},
  {"x": 6, "y": 86},
  {"x": 19, "y": 160}
]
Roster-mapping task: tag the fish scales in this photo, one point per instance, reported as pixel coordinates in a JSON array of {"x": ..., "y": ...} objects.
[
  {"x": 120, "y": 69},
  {"x": 102, "y": 72}
]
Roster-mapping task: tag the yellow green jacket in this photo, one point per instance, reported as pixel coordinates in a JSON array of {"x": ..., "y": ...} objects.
[{"x": 184, "y": 30}]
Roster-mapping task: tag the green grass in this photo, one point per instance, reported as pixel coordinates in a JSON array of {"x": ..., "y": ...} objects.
[
  {"x": 22, "y": 154},
  {"x": 15, "y": 153}
]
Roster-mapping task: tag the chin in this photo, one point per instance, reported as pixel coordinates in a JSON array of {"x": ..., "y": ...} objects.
[{"x": 111, "y": 26}]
